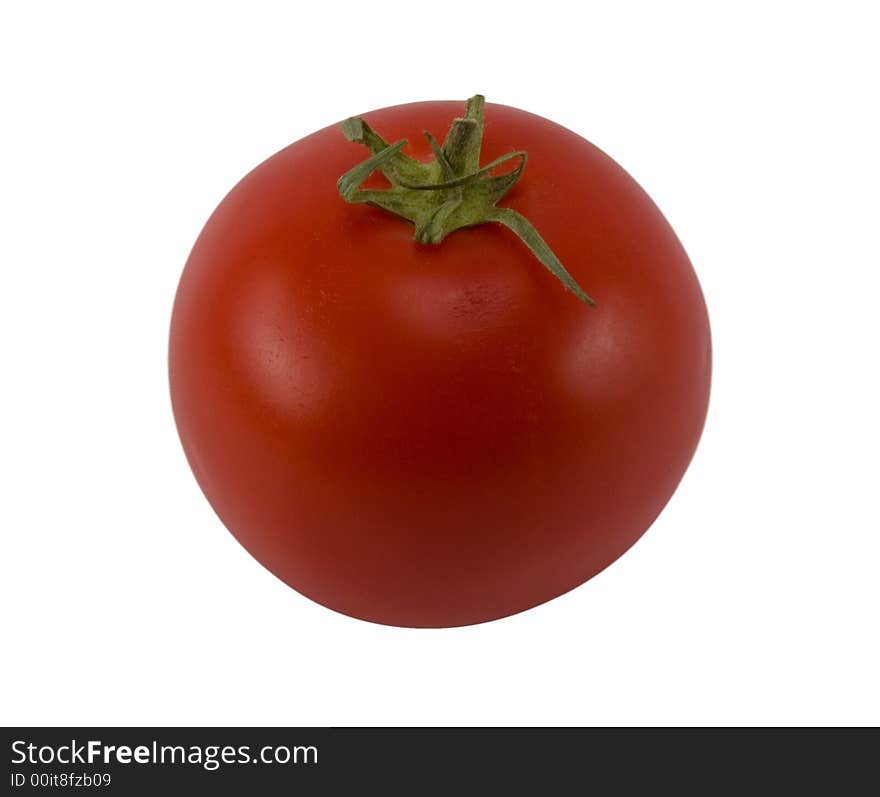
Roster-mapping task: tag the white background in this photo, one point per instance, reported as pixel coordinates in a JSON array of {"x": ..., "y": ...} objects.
[{"x": 752, "y": 600}]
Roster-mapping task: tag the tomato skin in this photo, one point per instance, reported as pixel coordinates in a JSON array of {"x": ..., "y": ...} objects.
[{"x": 438, "y": 435}]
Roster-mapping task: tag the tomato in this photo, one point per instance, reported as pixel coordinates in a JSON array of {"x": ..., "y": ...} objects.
[{"x": 441, "y": 433}]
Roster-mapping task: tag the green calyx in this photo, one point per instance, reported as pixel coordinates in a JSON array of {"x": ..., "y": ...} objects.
[{"x": 450, "y": 192}]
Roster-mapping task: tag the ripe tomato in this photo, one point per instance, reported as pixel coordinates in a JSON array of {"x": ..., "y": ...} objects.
[{"x": 438, "y": 434}]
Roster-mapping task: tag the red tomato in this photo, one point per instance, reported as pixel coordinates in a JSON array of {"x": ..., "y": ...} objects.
[{"x": 438, "y": 434}]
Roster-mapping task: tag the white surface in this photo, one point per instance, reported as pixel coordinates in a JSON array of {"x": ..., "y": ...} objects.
[{"x": 753, "y": 600}]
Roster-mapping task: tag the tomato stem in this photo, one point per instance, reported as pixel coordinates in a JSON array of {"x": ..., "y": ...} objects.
[{"x": 450, "y": 192}]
